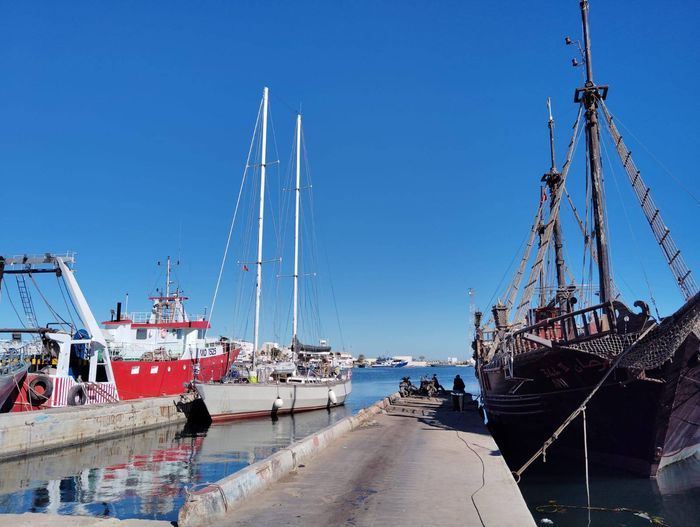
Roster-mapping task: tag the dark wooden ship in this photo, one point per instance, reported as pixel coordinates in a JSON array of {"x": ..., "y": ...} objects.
[{"x": 554, "y": 374}]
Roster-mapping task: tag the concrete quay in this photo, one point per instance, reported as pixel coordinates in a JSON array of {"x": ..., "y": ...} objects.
[
  {"x": 57, "y": 520},
  {"x": 25, "y": 433},
  {"x": 409, "y": 461}
]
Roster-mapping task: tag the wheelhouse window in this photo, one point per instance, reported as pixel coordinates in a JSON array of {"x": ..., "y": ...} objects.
[{"x": 141, "y": 334}]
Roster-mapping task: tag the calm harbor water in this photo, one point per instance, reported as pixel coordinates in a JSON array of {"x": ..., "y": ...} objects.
[{"x": 147, "y": 475}]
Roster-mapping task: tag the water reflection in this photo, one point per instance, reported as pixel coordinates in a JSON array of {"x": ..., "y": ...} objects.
[
  {"x": 680, "y": 477},
  {"x": 149, "y": 469},
  {"x": 674, "y": 495},
  {"x": 145, "y": 475}
]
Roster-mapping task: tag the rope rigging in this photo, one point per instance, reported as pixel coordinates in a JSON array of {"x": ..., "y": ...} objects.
[
  {"x": 515, "y": 284},
  {"x": 233, "y": 220},
  {"x": 681, "y": 272},
  {"x": 631, "y": 231},
  {"x": 549, "y": 228},
  {"x": 12, "y": 304}
]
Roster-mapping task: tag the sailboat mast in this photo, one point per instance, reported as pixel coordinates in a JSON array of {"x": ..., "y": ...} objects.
[
  {"x": 553, "y": 181},
  {"x": 297, "y": 193},
  {"x": 261, "y": 210},
  {"x": 590, "y": 102}
]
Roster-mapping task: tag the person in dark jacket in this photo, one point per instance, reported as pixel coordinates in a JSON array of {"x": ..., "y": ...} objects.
[
  {"x": 458, "y": 394},
  {"x": 437, "y": 384}
]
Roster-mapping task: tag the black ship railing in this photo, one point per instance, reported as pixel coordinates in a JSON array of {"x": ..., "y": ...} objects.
[{"x": 591, "y": 322}]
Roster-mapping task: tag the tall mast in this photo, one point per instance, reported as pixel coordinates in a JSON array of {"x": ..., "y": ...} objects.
[
  {"x": 297, "y": 192},
  {"x": 590, "y": 95},
  {"x": 553, "y": 179},
  {"x": 258, "y": 279}
]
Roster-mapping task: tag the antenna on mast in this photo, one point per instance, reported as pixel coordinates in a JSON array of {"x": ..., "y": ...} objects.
[
  {"x": 472, "y": 310},
  {"x": 167, "y": 278},
  {"x": 574, "y": 61},
  {"x": 553, "y": 168}
]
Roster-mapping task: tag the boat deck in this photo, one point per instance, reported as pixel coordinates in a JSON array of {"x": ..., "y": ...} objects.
[{"x": 419, "y": 463}]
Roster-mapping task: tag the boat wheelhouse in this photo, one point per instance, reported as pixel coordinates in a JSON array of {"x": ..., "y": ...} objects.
[{"x": 162, "y": 351}]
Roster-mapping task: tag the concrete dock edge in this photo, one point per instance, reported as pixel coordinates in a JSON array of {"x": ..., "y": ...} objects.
[
  {"x": 24, "y": 433},
  {"x": 216, "y": 500}
]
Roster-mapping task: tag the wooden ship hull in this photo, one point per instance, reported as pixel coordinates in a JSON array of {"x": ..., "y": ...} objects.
[{"x": 640, "y": 419}]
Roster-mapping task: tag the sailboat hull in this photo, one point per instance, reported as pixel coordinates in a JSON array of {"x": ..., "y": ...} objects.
[
  {"x": 636, "y": 421},
  {"x": 231, "y": 401}
]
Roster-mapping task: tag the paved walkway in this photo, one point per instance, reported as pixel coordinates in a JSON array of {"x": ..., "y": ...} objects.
[
  {"x": 418, "y": 464},
  {"x": 58, "y": 520}
]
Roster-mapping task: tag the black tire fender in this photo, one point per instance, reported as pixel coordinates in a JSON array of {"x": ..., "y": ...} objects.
[
  {"x": 76, "y": 395},
  {"x": 45, "y": 384}
]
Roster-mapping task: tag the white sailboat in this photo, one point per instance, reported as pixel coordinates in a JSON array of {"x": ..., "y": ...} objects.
[{"x": 278, "y": 391}]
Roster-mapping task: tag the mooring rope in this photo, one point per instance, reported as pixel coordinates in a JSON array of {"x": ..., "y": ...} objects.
[{"x": 585, "y": 456}]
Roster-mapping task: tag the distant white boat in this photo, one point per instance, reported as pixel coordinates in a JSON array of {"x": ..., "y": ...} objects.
[{"x": 388, "y": 362}]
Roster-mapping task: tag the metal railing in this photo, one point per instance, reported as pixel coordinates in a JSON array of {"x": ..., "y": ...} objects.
[{"x": 144, "y": 317}]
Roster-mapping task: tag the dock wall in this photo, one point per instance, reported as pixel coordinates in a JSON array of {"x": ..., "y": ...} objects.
[
  {"x": 23, "y": 433},
  {"x": 212, "y": 502}
]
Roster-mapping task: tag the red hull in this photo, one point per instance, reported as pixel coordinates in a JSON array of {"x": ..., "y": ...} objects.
[
  {"x": 59, "y": 393},
  {"x": 137, "y": 379}
]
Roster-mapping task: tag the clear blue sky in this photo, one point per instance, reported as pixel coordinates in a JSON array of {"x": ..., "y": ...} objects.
[{"x": 124, "y": 128}]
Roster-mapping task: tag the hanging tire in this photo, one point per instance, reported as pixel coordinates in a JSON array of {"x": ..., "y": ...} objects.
[
  {"x": 39, "y": 390},
  {"x": 76, "y": 396}
]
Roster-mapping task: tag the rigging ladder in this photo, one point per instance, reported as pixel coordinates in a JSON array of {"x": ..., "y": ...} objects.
[
  {"x": 662, "y": 233},
  {"x": 27, "y": 304}
]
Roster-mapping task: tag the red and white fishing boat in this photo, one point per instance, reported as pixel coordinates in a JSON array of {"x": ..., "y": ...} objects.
[
  {"x": 162, "y": 351},
  {"x": 67, "y": 364}
]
